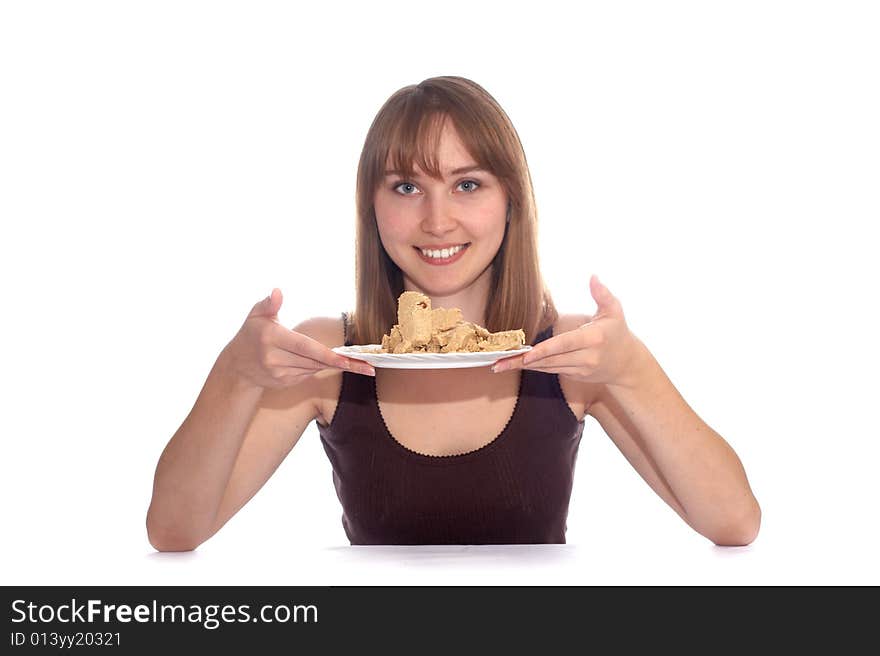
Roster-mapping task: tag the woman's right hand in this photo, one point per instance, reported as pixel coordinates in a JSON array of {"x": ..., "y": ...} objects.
[{"x": 266, "y": 354}]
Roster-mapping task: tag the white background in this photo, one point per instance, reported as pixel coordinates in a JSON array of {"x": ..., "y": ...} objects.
[{"x": 164, "y": 165}]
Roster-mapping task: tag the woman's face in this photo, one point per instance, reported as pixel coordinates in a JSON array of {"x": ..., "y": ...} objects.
[{"x": 467, "y": 208}]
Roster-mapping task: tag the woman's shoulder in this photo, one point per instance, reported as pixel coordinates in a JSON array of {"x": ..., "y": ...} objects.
[
  {"x": 566, "y": 322},
  {"x": 329, "y": 331}
]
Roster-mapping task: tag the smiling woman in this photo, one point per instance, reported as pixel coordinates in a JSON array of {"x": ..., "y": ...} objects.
[
  {"x": 444, "y": 222},
  {"x": 442, "y": 166},
  {"x": 445, "y": 208}
]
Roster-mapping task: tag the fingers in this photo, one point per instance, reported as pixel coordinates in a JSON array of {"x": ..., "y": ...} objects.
[
  {"x": 507, "y": 363},
  {"x": 304, "y": 346},
  {"x": 287, "y": 376},
  {"x": 283, "y": 359},
  {"x": 577, "y": 372},
  {"x": 573, "y": 360},
  {"x": 269, "y": 306},
  {"x": 578, "y": 359},
  {"x": 567, "y": 342},
  {"x": 560, "y": 369},
  {"x": 303, "y": 350},
  {"x": 606, "y": 302}
]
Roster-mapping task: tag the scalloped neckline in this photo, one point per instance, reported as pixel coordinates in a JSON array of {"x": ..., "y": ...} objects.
[{"x": 451, "y": 457}]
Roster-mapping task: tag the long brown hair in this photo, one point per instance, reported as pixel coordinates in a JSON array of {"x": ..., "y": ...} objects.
[{"x": 407, "y": 129}]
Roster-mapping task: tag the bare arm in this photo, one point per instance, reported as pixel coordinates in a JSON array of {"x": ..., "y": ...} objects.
[
  {"x": 686, "y": 462},
  {"x": 196, "y": 465},
  {"x": 261, "y": 394}
]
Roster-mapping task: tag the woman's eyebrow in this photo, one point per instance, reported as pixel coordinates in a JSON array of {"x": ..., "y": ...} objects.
[{"x": 458, "y": 171}]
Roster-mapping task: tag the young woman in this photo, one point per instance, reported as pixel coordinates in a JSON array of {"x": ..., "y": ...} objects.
[{"x": 479, "y": 455}]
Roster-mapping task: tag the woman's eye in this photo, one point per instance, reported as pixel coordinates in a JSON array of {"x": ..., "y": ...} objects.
[{"x": 408, "y": 188}]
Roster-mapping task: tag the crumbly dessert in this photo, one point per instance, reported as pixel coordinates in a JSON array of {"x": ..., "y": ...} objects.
[{"x": 421, "y": 329}]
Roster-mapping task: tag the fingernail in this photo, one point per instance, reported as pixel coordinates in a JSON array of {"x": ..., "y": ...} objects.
[{"x": 370, "y": 371}]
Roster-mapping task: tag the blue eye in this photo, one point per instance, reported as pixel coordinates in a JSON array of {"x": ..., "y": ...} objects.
[
  {"x": 408, "y": 188},
  {"x": 408, "y": 185}
]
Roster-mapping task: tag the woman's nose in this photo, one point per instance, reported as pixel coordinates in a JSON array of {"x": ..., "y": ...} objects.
[{"x": 439, "y": 216}]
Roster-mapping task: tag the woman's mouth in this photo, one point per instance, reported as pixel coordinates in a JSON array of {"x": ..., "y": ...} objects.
[{"x": 443, "y": 255}]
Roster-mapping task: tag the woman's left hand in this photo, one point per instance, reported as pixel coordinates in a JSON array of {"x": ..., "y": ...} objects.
[{"x": 602, "y": 350}]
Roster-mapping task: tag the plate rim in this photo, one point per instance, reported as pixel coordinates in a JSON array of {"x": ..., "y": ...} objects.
[
  {"x": 415, "y": 361},
  {"x": 338, "y": 349}
]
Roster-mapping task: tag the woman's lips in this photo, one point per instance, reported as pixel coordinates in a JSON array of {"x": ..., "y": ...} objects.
[{"x": 440, "y": 261}]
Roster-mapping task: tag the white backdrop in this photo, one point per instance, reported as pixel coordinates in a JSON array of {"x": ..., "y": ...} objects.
[{"x": 163, "y": 165}]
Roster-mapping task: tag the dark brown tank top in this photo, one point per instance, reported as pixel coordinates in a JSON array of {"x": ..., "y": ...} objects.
[{"x": 515, "y": 489}]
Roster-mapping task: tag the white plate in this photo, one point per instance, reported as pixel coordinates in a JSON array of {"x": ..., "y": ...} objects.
[{"x": 426, "y": 360}]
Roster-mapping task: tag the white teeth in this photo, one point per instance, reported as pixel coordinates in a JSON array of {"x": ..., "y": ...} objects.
[{"x": 442, "y": 254}]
